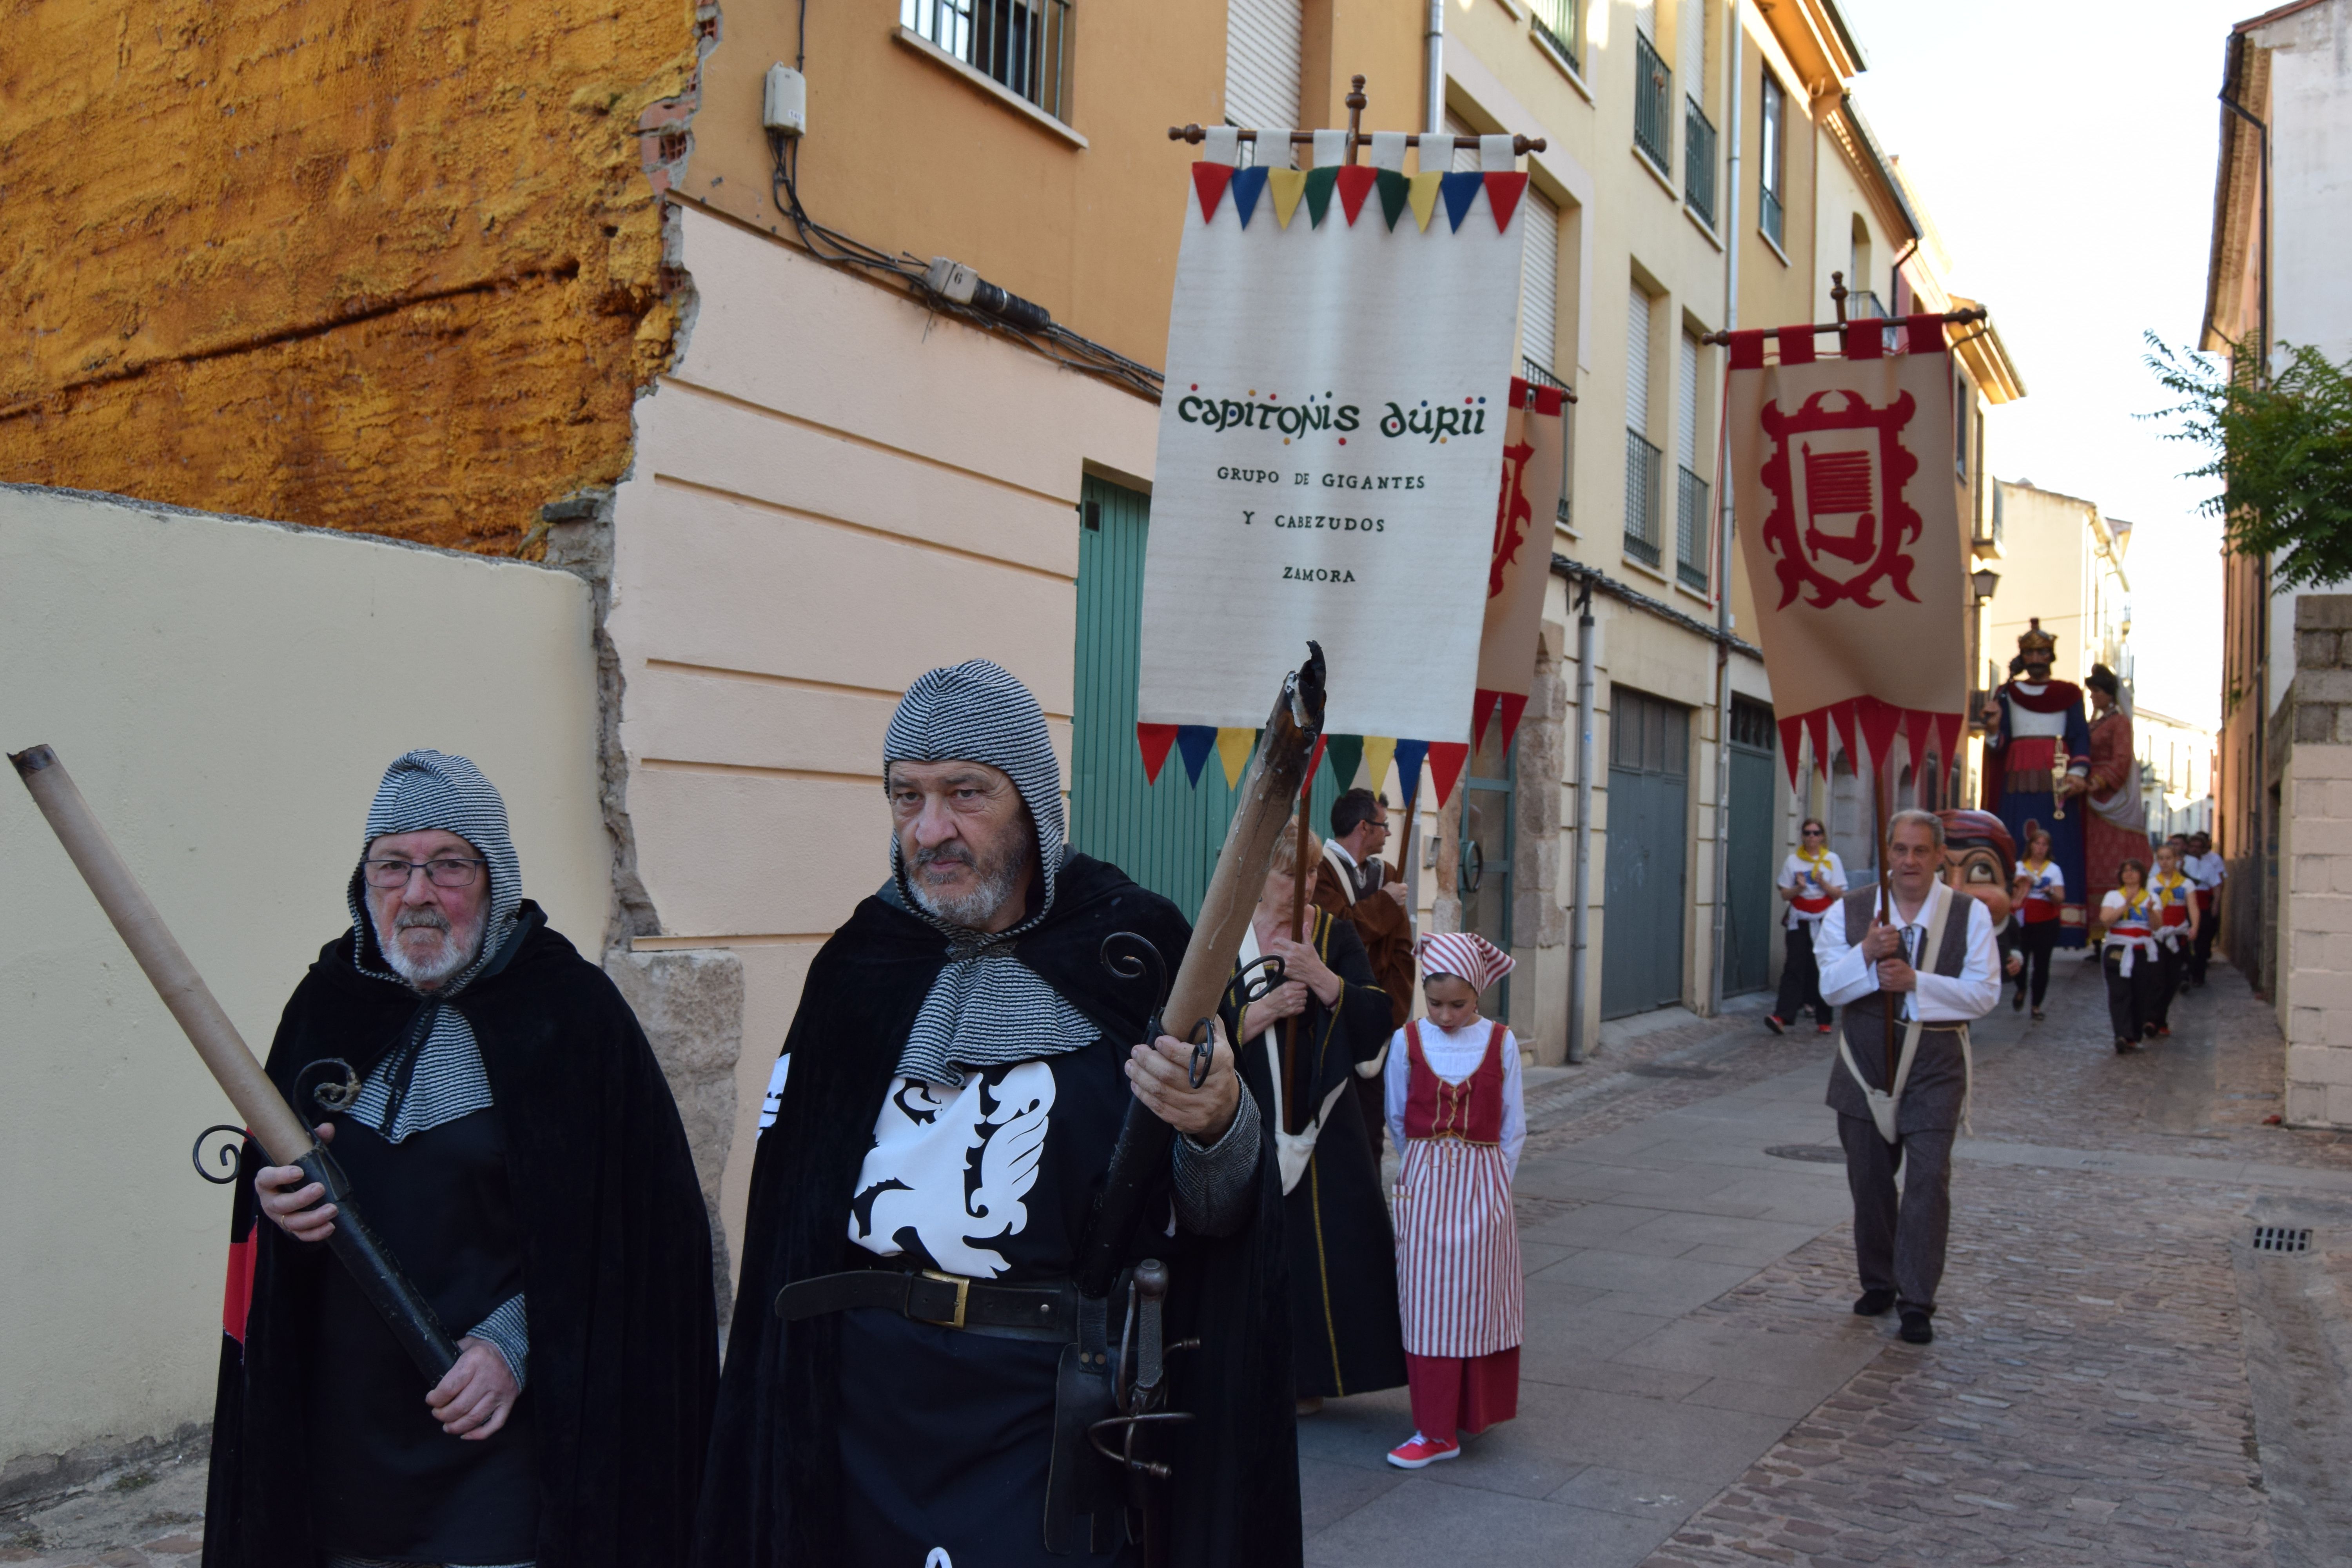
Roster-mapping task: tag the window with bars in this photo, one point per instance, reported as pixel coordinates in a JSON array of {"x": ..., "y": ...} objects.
[
  {"x": 1022, "y": 44},
  {"x": 1560, "y": 24},
  {"x": 1653, "y": 97},
  {"x": 1771, "y": 157}
]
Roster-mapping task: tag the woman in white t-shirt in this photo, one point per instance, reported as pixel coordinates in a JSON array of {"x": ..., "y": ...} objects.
[{"x": 1810, "y": 880}]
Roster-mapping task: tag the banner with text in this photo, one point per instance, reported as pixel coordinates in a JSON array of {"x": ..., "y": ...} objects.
[
  {"x": 1339, "y": 355},
  {"x": 1849, "y": 517}
]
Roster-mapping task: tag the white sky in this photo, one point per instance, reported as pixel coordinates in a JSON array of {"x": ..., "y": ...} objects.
[{"x": 2066, "y": 150}]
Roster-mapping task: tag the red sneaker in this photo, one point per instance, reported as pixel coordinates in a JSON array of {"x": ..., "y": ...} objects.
[
  {"x": 1772, "y": 1021},
  {"x": 1825, "y": 1028},
  {"x": 1418, "y": 1453}
]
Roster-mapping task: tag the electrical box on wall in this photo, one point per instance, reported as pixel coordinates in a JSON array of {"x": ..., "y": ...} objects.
[{"x": 785, "y": 105}]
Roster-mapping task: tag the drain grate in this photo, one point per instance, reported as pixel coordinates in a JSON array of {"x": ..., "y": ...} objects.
[
  {"x": 1818, "y": 1153},
  {"x": 2281, "y": 1238}
]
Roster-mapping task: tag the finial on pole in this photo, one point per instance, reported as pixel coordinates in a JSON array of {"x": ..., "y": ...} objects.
[
  {"x": 1356, "y": 102},
  {"x": 1837, "y": 295}
]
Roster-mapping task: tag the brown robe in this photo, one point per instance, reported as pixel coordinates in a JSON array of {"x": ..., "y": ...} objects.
[{"x": 1387, "y": 933}]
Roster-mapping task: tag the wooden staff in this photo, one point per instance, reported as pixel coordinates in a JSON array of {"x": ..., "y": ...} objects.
[
  {"x": 1885, "y": 906},
  {"x": 1290, "y": 1051},
  {"x": 269, "y": 1120}
]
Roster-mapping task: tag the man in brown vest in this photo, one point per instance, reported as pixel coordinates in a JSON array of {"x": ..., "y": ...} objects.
[
  {"x": 1933, "y": 952},
  {"x": 1352, "y": 885}
]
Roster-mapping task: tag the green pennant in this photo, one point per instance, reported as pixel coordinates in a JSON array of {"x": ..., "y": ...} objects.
[
  {"x": 1345, "y": 755},
  {"x": 1319, "y": 182},
  {"x": 1395, "y": 191}
]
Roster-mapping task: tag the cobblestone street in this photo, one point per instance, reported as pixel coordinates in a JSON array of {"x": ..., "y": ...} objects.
[{"x": 2117, "y": 1376}]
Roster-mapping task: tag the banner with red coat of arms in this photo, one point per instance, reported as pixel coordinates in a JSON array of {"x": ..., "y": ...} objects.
[
  {"x": 1535, "y": 453},
  {"x": 1849, "y": 516}
]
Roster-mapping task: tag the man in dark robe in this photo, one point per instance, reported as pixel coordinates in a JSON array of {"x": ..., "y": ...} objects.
[
  {"x": 2037, "y": 757},
  {"x": 1933, "y": 954},
  {"x": 505, "y": 1125},
  {"x": 1354, "y": 885},
  {"x": 936, "y": 1131}
]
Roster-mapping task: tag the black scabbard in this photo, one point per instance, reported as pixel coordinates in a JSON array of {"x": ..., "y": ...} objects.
[{"x": 378, "y": 1274}]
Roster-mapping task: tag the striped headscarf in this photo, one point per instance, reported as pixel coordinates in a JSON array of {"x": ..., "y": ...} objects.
[
  {"x": 1466, "y": 955},
  {"x": 435, "y": 1075},
  {"x": 987, "y": 1008}
]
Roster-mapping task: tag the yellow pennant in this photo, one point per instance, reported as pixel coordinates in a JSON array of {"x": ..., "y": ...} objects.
[
  {"x": 1424, "y": 197},
  {"x": 1379, "y": 752},
  {"x": 1234, "y": 746},
  {"x": 1285, "y": 186}
]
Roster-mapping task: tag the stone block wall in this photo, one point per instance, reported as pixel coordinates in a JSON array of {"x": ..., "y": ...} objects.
[{"x": 2315, "y": 913}]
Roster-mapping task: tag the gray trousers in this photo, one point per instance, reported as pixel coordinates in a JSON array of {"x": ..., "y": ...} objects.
[{"x": 1898, "y": 1243}]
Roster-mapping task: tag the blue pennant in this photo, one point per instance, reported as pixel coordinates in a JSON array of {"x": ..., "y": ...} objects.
[
  {"x": 1195, "y": 742},
  {"x": 1247, "y": 187},
  {"x": 1410, "y": 754},
  {"x": 1458, "y": 190}
]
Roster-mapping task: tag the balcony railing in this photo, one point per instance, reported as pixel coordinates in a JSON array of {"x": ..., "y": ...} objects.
[
  {"x": 1537, "y": 373},
  {"x": 1653, "y": 97},
  {"x": 1690, "y": 530},
  {"x": 1861, "y": 305},
  {"x": 1556, "y": 25},
  {"x": 1023, "y": 44},
  {"x": 1644, "y": 490},
  {"x": 1768, "y": 217},
  {"x": 1698, "y": 160}
]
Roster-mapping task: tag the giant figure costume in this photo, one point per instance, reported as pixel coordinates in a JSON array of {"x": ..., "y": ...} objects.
[
  {"x": 2115, "y": 827},
  {"x": 2042, "y": 738},
  {"x": 943, "y": 1114},
  {"x": 519, "y": 1151}
]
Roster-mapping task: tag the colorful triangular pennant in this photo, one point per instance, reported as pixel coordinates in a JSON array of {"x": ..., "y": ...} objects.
[
  {"x": 1817, "y": 725},
  {"x": 1513, "y": 705},
  {"x": 1793, "y": 736},
  {"x": 1210, "y": 181},
  {"x": 1379, "y": 752},
  {"x": 1319, "y": 182},
  {"x": 1482, "y": 707},
  {"x": 1445, "y": 760},
  {"x": 1843, "y": 715},
  {"x": 1233, "y": 748},
  {"x": 1503, "y": 191},
  {"x": 1395, "y": 191},
  {"x": 1881, "y": 722},
  {"x": 1193, "y": 742},
  {"x": 1346, "y": 757},
  {"x": 1153, "y": 741},
  {"x": 1422, "y": 197},
  {"x": 1947, "y": 738},
  {"x": 1287, "y": 186},
  {"x": 1247, "y": 187},
  {"x": 1356, "y": 181},
  {"x": 1460, "y": 190},
  {"x": 1410, "y": 755}
]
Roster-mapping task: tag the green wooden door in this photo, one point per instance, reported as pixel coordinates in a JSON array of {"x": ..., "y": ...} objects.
[
  {"x": 1748, "y": 883},
  {"x": 1483, "y": 875},
  {"x": 1649, "y": 844}
]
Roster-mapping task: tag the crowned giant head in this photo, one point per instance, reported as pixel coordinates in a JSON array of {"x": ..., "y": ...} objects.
[
  {"x": 439, "y": 882},
  {"x": 975, "y": 793}
]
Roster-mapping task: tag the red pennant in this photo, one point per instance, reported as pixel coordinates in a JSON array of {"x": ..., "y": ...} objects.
[
  {"x": 1924, "y": 334},
  {"x": 1211, "y": 180},
  {"x": 1153, "y": 741},
  {"x": 1881, "y": 722},
  {"x": 1795, "y": 345},
  {"x": 1356, "y": 182},
  {"x": 1445, "y": 760},
  {"x": 1482, "y": 707},
  {"x": 1307, "y": 785},
  {"x": 1512, "y": 707},
  {"x": 1793, "y": 736},
  {"x": 1748, "y": 353},
  {"x": 1503, "y": 191},
  {"x": 1817, "y": 725},
  {"x": 1914, "y": 726},
  {"x": 1843, "y": 715},
  {"x": 1947, "y": 738},
  {"x": 1865, "y": 340}
]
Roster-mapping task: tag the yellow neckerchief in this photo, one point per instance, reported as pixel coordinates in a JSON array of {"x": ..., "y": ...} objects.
[
  {"x": 2135, "y": 905},
  {"x": 2033, "y": 870},
  {"x": 1819, "y": 860},
  {"x": 2166, "y": 881}
]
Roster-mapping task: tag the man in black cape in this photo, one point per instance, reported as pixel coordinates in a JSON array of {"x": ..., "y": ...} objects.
[
  {"x": 938, "y": 1128},
  {"x": 505, "y": 1125}
]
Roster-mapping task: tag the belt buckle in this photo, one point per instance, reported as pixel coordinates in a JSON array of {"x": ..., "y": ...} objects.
[{"x": 964, "y": 1293}]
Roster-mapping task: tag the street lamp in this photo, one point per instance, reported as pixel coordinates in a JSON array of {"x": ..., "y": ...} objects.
[{"x": 1985, "y": 581}]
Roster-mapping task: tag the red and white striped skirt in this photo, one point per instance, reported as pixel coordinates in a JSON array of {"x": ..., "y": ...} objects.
[{"x": 1458, "y": 1278}]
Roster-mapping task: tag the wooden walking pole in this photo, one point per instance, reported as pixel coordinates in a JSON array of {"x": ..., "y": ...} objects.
[
  {"x": 1290, "y": 1051},
  {"x": 269, "y": 1120},
  {"x": 1885, "y": 906}
]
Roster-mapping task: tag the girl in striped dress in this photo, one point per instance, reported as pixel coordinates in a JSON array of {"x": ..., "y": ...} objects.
[{"x": 1454, "y": 1110}]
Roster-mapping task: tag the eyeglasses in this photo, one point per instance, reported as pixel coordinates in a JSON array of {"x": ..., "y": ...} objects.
[
  {"x": 441, "y": 873},
  {"x": 1813, "y": 832}
]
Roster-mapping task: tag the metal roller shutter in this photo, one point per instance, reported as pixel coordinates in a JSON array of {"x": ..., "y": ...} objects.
[
  {"x": 1637, "y": 360},
  {"x": 1540, "y": 280},
  {"x": 1687, "y": 402},
  {"x": 1263, "y": 62}
]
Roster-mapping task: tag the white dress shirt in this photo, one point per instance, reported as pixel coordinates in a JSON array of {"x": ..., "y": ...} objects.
[
  {"x": 1454, "y": 1055},
  {"x": 2208, "y": 868},
  {"x": 1847, "y": 975}
]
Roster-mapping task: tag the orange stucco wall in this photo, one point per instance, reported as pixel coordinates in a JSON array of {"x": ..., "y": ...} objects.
[{"x": 388, "y": 265}]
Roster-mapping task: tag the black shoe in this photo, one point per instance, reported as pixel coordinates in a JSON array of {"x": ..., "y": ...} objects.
[
  {"x": 2016, "y": 1003},
  {"x": 1917, "y": 1328},
  {"x": 1873, "y": 1303},
  {"x": 1772, "y": 1022},
  {"x": 2125, "y": 1047}
]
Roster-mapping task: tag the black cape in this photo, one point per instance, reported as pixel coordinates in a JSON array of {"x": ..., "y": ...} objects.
[
  {"x": 622, "y": 1320},
  {"x": 771, "y": 1498},
  {"x": 1347, "y": 1335}
]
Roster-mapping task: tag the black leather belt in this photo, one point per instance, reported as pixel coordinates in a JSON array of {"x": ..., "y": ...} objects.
[{"x": 951, "y": 1300}]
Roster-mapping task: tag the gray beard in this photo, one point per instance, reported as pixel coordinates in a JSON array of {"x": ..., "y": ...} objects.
[
  {"x": 448, "y": 957},
  {"x": 972, "y": 910}
]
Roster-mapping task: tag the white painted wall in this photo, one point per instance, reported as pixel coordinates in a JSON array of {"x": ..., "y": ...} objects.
[
  {"x": 227, "y": 693},
  {"x": 834, "y": 492}
]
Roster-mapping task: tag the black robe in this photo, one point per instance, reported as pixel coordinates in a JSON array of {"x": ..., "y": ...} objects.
[
  {"x": 1348, "y": 1337},
  {"x": 772, "y": 1496},
  {"x": 623, "y": 1331}
]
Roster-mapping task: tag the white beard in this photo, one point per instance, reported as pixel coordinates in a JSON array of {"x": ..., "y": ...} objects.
[
  {"x": 972, "y": 910},
  {"x": 450, "y": 952}
]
